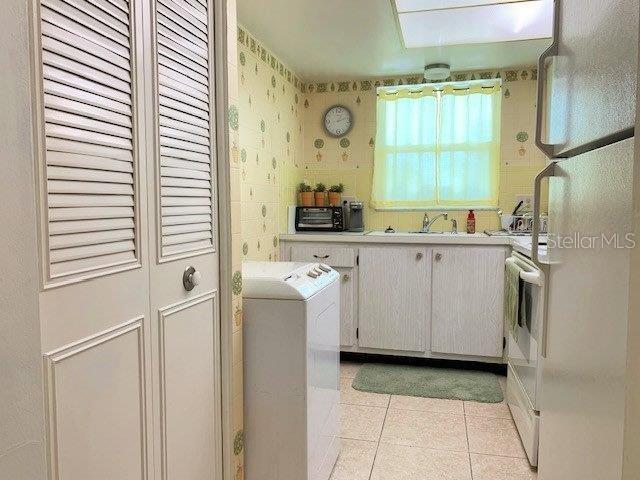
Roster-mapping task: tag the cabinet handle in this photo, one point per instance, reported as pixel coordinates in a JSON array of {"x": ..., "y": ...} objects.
[
  {"x": 321, "y": 257},
  {"x": 419, "y": 256},
  {"x": 345, "y": 277},
  {"x": 439, "y": 256}
]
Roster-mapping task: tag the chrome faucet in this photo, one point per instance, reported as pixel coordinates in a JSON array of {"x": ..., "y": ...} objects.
[
  {"x": 454, "y": 226},
  {"x": 426, "y": 222}
]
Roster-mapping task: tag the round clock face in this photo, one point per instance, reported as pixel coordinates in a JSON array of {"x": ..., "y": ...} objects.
[{"x": 338, "y": 121}]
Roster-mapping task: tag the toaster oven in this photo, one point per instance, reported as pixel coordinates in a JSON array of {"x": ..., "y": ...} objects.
[{"x": 320, "y": 219}]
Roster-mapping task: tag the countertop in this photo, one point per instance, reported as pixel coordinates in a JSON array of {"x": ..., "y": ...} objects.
[{"x": 521, "y": 244}]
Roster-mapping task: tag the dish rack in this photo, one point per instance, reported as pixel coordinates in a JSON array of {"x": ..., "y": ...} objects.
[{"x": 523, "y": 224}]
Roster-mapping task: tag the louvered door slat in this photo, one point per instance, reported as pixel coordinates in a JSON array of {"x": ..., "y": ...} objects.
[
  {"x": 164, "y": 32},
  {"x": 187, "y": 13},
  {"x": 186, "y": 219},
  {"x": 168, "y": 201},
  {"x": 89, "y": 21},
  {"x": 185, "y": 182},
  {"x": 169, "y": 82},
  {"x": 182, "y": 97},
  {"x": 53, "y": 17},
  {"x": 184, "y": 136},
  {"x": 181, "y": 24},
  {"x": 83, "y": 44},
  {"x": 184, "y": 154},
  {"x": 179, "y": 30},
  {"x": 185, "y": 52},
  {"x": 89, "y": 129},
  {"x": 186, "y": 228},
  {"x": 182, "y": 117},
  {"x": 179, "y": 163},
  {"x": 184, "y": 173},
  {"x": 83, "y": 109}
]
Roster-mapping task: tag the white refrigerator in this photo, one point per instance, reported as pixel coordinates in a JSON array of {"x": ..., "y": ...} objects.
[{"x": 587, "y": 104}]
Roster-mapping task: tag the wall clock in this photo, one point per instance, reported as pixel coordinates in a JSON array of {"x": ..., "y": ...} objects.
[{"x": 338, "y": 121}]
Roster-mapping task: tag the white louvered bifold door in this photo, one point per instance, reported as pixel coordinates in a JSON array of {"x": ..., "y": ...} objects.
[
  {"x": 184, "y": 126},
  {"x": 89, "y": 135}
]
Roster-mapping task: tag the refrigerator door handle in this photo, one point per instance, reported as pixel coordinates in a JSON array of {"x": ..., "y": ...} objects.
[
  {"x": 549, "y": 171},
  {"x": 551, "y": 51}
]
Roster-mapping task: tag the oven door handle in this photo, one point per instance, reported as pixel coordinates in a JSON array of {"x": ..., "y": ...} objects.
[{"x": 532, "y": 276}]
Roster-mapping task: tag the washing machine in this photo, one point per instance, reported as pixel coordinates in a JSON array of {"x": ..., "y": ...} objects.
[{"x": 291, "y": 370}]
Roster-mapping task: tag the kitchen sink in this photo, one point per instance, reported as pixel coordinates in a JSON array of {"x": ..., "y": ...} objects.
[{"x": 396, "y": 233}]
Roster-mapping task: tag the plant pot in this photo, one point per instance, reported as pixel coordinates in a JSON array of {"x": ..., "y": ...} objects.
[
  {"x": 307, "y": 199},
  {"x": 335, "y": 199},
  {"x": 321, "y": 199}
]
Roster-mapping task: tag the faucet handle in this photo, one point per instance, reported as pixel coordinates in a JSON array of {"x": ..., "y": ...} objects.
[{"x": 454, "y": 225}]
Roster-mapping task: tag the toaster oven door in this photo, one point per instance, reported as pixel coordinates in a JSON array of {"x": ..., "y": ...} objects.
[{"x": 314, "y": 219}]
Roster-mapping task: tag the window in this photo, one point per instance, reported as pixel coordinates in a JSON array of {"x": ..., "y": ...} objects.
[{"x": 437, "y": 146}]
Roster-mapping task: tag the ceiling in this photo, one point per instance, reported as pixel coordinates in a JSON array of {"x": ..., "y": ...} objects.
[{"x": 346, "y": 39}]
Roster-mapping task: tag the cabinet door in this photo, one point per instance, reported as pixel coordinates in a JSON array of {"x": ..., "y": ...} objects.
[
  {"x": 394, "y": 298},
  {"x": 468, "y": 292},
  {"x": 347, "y": 306}
]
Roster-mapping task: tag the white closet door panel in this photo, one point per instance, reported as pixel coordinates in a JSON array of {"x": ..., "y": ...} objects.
[
  {"x": 85, "y": 110},
  {"x": 85, "y": 45},
  {"x": 89, "y": 213},
  {"x": 98, "y": 26},
  {"x": 89, "y": 135},
  {"x": 88, "y": 58},
  {"x": 83, "y": 86},
  {"x": 80, "y": 29},
  {"x": 79, "y": 226},
  {"x": 186, "y": 164},
  {"x": 70, "y": 146},
  {"x": 89, "y": 201},
  {"x": 84, "y": 123}
]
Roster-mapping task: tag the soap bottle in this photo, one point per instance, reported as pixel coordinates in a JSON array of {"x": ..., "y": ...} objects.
[{"x": 471, "y": 222}]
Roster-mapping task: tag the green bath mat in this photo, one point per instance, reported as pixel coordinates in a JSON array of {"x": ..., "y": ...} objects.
[{"x": 430, "y": 382}]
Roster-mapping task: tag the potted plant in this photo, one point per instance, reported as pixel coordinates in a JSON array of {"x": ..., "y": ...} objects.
[
  {"x": 335, "y": 195},
  {"x": 305, "y": 195},
  {"x": 321, "y": 195}
]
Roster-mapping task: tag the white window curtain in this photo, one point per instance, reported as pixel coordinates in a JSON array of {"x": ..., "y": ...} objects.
[{"x": 437, "y": 146}]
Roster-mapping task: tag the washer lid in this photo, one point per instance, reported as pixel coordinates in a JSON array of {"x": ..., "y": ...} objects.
[{"x": 285, "y": 280}]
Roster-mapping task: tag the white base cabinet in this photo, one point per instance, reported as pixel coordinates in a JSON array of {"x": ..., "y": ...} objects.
[
  {"x": 420, "y": 300},
  {"x": 394, "y": 297},
  {"x": 468, "y": 295}
]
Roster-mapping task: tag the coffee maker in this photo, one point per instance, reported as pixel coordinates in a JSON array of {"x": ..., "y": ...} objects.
[{"x": 356, "y": 217}]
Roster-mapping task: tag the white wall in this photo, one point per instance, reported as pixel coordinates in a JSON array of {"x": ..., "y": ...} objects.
[{"x": 21, "y": 409}]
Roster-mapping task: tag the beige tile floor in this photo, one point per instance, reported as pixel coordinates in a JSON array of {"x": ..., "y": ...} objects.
[{"x": 389, "y": 437}]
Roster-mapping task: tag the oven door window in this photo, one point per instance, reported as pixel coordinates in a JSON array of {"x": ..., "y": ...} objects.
[{"x": 316, "y": 217}]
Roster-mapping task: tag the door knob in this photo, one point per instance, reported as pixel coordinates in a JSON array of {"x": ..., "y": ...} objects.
[
  {"x": 438, "y": 256},
  {"x": 345, "y": 277},
  {"x": 190, "y": 278},
  {"x": 419, "y": 256}
]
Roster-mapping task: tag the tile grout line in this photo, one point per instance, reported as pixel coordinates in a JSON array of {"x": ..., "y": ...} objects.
[
  {"x": 375, "y": 455},
  {"x": 466, "y": 431}
]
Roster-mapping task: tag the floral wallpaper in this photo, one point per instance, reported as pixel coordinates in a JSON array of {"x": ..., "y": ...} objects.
[
  {"x": 270, "y": 143},
  {"x": 350, "y": 159}
]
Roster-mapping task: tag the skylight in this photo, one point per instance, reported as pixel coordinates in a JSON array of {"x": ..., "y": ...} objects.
[{"x": 431, "y": 23}]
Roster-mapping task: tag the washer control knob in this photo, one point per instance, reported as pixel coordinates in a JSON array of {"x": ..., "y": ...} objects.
[
  {"x": 312, "y": 274},
  {"x": 324, "y": 268}
]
